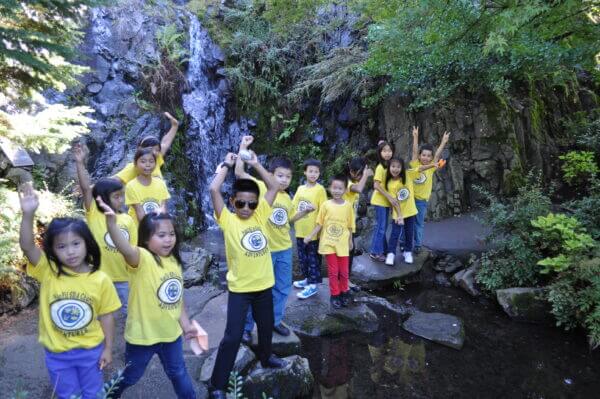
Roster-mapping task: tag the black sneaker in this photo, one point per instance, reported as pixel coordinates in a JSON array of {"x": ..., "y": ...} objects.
[
  {"x": 336, "y": 303},
  {"x": 247, "y": 337},
  {"x": 274, "y": 363},
  {"x": 346, "y": 299},
  {"x": 282, "y": 330}
]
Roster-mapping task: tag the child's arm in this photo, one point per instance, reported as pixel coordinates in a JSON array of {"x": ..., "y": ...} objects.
[
  {"x": 415, "y": 145},
  {"x": 399, "y": 219},
  {"x": 80, "y": 152},
  {"x": 107, "y": 323},
  {"x": 29, "y": 203},
  {"x": 240, "y": 173},
  {"x": 350, "y": 243},
  {"x": 188, "y": 328},
  {"x": 300, "y": 215},
  {"x": 215, "y": 186},
  {"x": 168, "y": 138},
  {"x": 438, "y": 152},
  {"x": 129, "y": 252},
  {"x": 313, "y": 233},
  {"x": 139, "y": 211},
  {"x": 268, "y": 178},
  {"x": 360, "y": 186},
  {"x": 377, "y": 186}
]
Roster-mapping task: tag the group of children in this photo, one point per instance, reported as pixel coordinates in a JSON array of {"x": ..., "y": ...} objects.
[{"x": 131, "y": 260}]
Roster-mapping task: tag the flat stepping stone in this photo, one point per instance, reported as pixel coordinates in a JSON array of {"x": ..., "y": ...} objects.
[
  {"x": 371, "y": 274},
  {"x": 315, "y": 317},
  {"x": 441, "y": 328}
]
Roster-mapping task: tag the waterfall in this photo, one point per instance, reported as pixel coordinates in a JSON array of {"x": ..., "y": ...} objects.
[{"x": 210, "y": 135}]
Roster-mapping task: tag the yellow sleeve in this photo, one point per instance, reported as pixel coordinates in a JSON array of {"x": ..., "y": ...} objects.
[
  {"x": 379, "y": 174},
  {"x": 109, "y": 300},
  {"x": 224, "y": 218},
  {"x": 321, "y": 215},
  {"x": 40, "y": 270},
  {"x": 263, "y": 211},
  {"x": 162, "y": 191},
  {"x": 414, "y": 164},
  {"x": 160, "y": 161},
  {"x": 322, "y": 196},
  {"x": 128, "y": 173},
  {"x": 131, "y": 194},
  {"x": 412, "y": 174}
]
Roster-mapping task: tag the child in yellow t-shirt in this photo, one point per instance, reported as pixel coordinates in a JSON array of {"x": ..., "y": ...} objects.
[
  {"x": 113, "y": 193},
  {"x": 358, "y": 173},
  {"x": 335, "y": 221},
  {"x": 278, "y": 237},
  {"x": 157, "y": 317},
  {"x": 399, "y": 184},
  {"x": 426, "y": 163},
  {"x": 250, "y": 269},
  {"x": 77, "y": 301},
  {"x": 381, "y": 201},
  {"x": 146, "y": 193},
  {"x": 160, "y": 149},
  {"x": 306, "y": 203}
]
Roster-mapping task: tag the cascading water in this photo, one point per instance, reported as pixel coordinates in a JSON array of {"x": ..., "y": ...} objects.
[{"x": 210, "y": 135}]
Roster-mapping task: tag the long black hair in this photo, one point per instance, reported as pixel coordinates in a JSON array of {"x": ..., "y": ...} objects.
[
  {"x": 104, "y": 188},
  {"x": 147, "y": 228},
  {"x": 388, "y": 174},
  {"x": 382, "y": 144},
  {"x": 78, "y": 227}
]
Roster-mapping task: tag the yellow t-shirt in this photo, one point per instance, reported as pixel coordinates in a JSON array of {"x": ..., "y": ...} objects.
[
  {"x": 352, "y": 197},
  {"x": 337, "y": 221},
  {"x": 113, "y": 262},
  {"x": 278, "y": 228},
  {"x": 155, "y": 298},
  {"x": 249, "y": 264},
  {"x": 404, "y": 193},
  {"x": 423, "y": 181},
  {"x": 377, "y": 198},
  {"x": 305, "y": 195},
  {"x": 149, "y": 197},
  {"x": 128, "y": 173},
  {"x": 70, "y": 306}
]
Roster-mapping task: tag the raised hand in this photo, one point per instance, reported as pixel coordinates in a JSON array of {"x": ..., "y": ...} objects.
[
  {"x": 28, "y": 198},
  {"x": 446, "y": 137},
  {"x": 253, "y": 158},
  {"x": 174, "y": 122},
  {"x": 415, "y": 132},
  {"x": 80, "y": 152},
  {"x": 246, "y": 142},
  {"x": 110, "y": 214}
]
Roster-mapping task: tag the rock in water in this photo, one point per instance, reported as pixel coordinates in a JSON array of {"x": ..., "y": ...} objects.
[
  {"x": 242, "y": 361},
  {"x": 370, "y": 274},
  {"x": 465, "y": 279},
  {"x": 442, "y": 328},
  {"x": 525, "y": 304},
  {"x": 315, "y": 317},
  {"x": 293, "y": 381}
]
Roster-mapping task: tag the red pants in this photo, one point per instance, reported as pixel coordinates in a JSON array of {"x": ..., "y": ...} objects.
[{"x": 337, "y": 269}]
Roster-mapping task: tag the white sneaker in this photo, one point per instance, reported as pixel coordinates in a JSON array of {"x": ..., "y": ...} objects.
[
  {"x": 389, "y": 259},
  {"x": 301, "y": 283},
  {"x": 408, "y": 257}
]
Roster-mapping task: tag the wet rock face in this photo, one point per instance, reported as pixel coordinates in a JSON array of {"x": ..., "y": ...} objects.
[
  {"x": 437, "y": 327},
  {"x": 293, "y": 381},
  {"x": 196, "y": 262},
  {"x": 525, "y": 304}
]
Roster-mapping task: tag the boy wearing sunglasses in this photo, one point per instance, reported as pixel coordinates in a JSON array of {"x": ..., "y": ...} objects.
[{"x": 250, "y": 270}]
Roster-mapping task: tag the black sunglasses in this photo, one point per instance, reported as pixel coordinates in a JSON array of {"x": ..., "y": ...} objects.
[{"x": 239, "y": 204}]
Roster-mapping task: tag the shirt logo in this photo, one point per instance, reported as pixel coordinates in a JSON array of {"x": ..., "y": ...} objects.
[
  {"x": 279, "y": 217},
  {"x": 335, "y": 230},
  {"x": 70, "y": 314},
  {"x": 254, "y": 241},
  {"x": 150, "y": 206},
  {"x": 403, "y": 194},
  {"x": 170, "y": 291},
  {"x": 421, "y": 179},
  {"x": 108, "y": 240},
  {"x": 302, "y": 205}
]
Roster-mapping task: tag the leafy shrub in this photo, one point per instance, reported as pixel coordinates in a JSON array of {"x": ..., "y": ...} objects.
[
  {"x": 562, "y": 239},
  {"x": 586, "y": 210},
  {"x": 579, "y": 167},
  {"x": 513, "y": 259}
]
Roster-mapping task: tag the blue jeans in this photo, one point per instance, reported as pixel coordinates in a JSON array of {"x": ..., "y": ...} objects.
[
  {"x": 310, "y": 260},
  {"x": 407, "y": 231},
  {"x": 282, "y": 268},
  {"x": 420, "y": 221},
  {"x": 378, "y": 244},
  {"x": 75, "y": 372},
  {"x": 170, "y": 354},
  {"x": 122, "y": 288}
]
